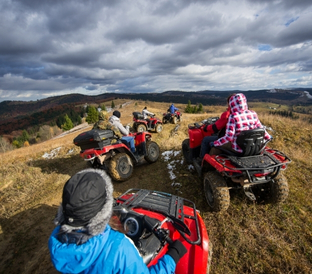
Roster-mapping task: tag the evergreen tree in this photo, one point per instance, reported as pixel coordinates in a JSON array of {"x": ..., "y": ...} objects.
[
  {"x": 113, "y": 104},
  {"x": 60, "y": 121},
  {"x": 200, "y": 107},
  {"x": 25, "y": 136},
  {"x": 68, "y": 123},
  {"x": 188, "y": 108},
  {"x": 92, "y": 115}
]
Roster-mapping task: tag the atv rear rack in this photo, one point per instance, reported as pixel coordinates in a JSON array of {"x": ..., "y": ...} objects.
[
  {"x": 270, "y": 160},
  {"x": 169, "y": 205}
]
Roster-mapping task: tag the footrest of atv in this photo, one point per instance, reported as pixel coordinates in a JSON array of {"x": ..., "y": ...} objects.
[
  {"x": 249, "y": 194},
  {"x": 258, "y": 161}
]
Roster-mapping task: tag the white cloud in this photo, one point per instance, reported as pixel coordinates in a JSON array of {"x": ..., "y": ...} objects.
[{"x": 58, "y": 47}]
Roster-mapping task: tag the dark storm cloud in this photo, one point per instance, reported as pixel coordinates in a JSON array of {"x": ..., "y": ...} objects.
[{"x": 56, "y": 47}]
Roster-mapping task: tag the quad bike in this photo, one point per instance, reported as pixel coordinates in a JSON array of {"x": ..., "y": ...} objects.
[
  {"x": 172, "y": 117},
  {"x": 140, "y": 124},
  {"x": 101, "y": 149},
  {"x": 154, "y": 219},
  {"x": 257, "y": 169}
]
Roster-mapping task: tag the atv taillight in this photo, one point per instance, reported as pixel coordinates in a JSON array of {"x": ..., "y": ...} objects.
[{"x": 261, "y": 174}]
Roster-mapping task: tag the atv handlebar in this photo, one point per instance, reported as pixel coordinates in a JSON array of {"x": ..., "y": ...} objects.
[{"x": 195, "y": 125}]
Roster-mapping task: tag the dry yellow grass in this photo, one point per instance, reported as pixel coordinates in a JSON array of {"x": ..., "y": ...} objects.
[{"x": 248, "y": 238}]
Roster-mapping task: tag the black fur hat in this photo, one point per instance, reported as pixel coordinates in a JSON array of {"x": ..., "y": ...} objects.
[{"x": 87, "y": 202}]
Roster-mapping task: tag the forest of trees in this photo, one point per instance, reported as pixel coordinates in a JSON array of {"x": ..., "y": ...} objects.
[
  {"x": 44, "y": 125},
  {"x": 194, "y": 109}
]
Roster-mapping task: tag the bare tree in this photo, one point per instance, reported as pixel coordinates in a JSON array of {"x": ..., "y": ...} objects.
[{"x": 5, "y": 145}]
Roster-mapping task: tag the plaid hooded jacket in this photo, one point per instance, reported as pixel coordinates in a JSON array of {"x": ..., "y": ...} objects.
[{"x": 240, "y": 119}]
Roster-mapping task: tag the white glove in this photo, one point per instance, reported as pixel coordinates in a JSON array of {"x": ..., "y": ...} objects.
[{"x": 127, "y": 127}]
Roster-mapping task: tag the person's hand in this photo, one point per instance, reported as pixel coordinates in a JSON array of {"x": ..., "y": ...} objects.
[
  {"x": 211, "y": 144},
  {"x": 176, "y": 250},
  {"x": 127, "y": 127},
  {"x": 205, "y": 128}
]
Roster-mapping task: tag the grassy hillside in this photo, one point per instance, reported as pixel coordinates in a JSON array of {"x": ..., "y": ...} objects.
[{"x": 248, "y": 238}]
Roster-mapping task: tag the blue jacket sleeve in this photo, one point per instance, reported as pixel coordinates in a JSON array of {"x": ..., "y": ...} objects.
[{"x": 133, "y": 262}]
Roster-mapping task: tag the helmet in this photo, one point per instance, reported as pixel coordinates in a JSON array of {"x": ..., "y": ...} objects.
[{"x": 116, "y": 113}]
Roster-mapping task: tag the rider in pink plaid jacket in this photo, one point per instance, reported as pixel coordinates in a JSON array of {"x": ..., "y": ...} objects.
[{"x": 240, "y": 119}]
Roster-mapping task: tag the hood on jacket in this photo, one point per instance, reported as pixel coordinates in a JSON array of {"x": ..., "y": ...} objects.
[
  {"x": 73, "y": 258},
  {"x": 113, "y": 118},
  {"x": 238, "y": 103}
]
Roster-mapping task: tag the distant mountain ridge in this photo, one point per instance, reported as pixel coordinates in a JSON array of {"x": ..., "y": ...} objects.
[{"x": 11, "y": 112}]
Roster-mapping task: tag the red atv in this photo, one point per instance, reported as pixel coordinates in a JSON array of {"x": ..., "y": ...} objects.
[
  {"x": 172, "y": 117},
  {"x": 140, "y": 124},
  {"x": 257, "y": 169},
  {"x": 153, "y": 219},
  {"x": 101, "y": 149}
]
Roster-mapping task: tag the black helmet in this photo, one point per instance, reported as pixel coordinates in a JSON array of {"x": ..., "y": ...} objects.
[{"x": 116, "y": 113}]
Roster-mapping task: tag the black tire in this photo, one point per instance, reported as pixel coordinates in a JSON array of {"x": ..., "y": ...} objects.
[
  {"x": 90, "y": 163},
  {"x": 141, "y": 128},
  {"x": 279, "y": 189},
  {"x": 120, "y": 167},
  {"x": 152, "y": 150},
  {"x": 94, "y": 163},
  {"x": 216, "y": 191},
  {"x": 164, "y": 120},
  {"x": 158, "y": 128},
  {"x": 186, "y": 151},
  {"x": 174, "y": 120}
]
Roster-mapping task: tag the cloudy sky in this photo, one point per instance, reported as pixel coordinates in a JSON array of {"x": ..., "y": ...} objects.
[{"x": 55, "y": 47}]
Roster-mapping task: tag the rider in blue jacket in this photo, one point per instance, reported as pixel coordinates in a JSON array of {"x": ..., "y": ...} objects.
[
  {"x": 84, "y": 240},
  {"x": 173, "y": 109}
]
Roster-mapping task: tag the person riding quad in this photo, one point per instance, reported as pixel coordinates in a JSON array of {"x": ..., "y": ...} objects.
[
  {"x": 172, "y": 109},
  {"x": 212, "y": 130},
  {"x": 240, "y": 119},
  {"x": 103, "y": 124},
  {"x": 115, "y": 121},
  {"x": 90, "y": 239},
  {"x": 145, "y": 114}
]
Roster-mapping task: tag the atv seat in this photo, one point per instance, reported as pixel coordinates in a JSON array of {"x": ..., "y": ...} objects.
[{"x": 250, "y": 141}]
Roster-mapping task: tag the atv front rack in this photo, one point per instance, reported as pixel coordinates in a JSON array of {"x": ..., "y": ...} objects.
[{"x": 169, "y": 205}]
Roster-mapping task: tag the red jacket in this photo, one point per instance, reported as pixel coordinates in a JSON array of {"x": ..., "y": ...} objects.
[{"x": 219, "y": 124}]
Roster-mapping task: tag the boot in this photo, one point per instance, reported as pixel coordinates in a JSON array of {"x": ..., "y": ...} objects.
[
  {"x": 137, "y": 156},
  {"x": 198, "y": 166}
]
